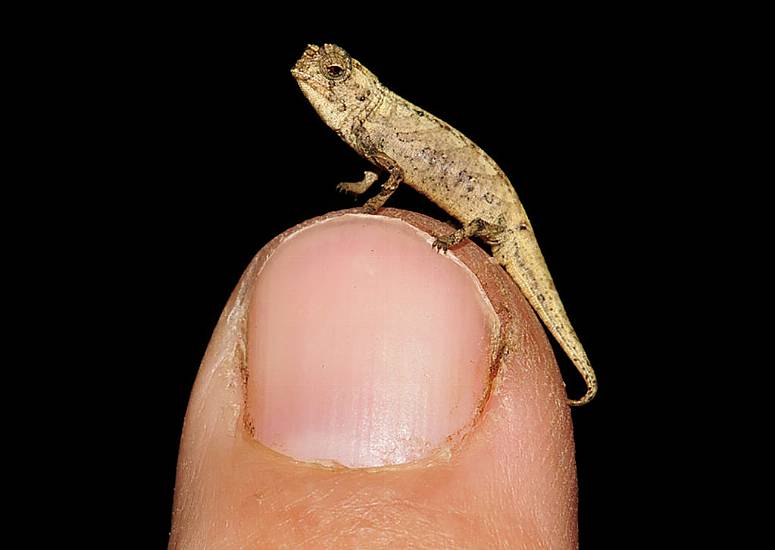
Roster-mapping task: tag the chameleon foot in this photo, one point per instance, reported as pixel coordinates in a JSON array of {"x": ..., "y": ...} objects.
[
  {"x": 478, "y": 227},
  {"x": 442, "y": 244},
  {"x": 358, "y": 187}
]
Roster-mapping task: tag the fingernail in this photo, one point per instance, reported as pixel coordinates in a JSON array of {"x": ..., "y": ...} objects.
[{"x": 365, "y": 346}]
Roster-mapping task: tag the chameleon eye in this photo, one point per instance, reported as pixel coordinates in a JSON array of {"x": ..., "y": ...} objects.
[
  {"x": 334, "y": 71},
  {"x": 335, "y": 64}
]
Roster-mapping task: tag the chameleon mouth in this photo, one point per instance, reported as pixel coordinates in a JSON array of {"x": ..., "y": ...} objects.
[
  {"x": 298, "y": 74},
  {"x": 301, "y": 69}
]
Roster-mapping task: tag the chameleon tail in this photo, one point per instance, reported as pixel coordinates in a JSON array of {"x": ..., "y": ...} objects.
[{"x": 538, "y": 288}]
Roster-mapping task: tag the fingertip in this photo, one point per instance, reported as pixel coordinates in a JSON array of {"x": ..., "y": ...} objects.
[{"x": 507, "y": 477}]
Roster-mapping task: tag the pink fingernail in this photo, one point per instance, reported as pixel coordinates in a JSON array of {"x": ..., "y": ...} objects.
[{"x": 365, "y": 346}]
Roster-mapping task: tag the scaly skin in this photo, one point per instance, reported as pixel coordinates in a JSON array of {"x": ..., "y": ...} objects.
[{"x": 441, "y": 163}]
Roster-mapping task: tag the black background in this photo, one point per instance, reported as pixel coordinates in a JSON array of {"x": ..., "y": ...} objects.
[{"x": 198, "y": 148}]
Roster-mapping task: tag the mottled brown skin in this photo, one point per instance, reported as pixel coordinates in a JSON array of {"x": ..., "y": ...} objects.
[{"x": 415, "y": 147}]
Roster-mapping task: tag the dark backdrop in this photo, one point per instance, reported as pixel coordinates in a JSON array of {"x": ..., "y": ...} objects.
[{"x": 202, "y": 149}]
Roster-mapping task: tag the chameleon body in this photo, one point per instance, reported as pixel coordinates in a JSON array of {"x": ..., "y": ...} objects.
[{"x": 421, "y": 150}]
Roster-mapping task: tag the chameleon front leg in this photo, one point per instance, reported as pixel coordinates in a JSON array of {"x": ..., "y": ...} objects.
[
  {"x": 395, "y": 176},
  {"x": 358, "y": 187},
  {"x": 488, "y": 231}
]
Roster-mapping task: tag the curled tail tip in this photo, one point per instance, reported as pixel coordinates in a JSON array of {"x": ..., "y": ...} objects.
[{"x": 586, "y": 398}]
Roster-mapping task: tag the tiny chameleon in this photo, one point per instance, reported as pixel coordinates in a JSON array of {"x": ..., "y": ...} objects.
[{"x": 415, "y": 147}]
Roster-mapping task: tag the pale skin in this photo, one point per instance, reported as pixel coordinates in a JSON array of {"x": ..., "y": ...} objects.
[
  {"x": 510, "y": 483},
  {"x": 415, "y": 147}
]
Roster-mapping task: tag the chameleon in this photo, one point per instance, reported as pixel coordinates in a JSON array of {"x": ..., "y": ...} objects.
[{"x": 419, "y": 149}]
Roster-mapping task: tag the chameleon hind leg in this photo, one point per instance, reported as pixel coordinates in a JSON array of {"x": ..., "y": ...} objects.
[{"x": 480, "y": 228}]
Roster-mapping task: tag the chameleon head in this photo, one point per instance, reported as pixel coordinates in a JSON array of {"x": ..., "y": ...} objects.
[{"x": 335, "y": 84}]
